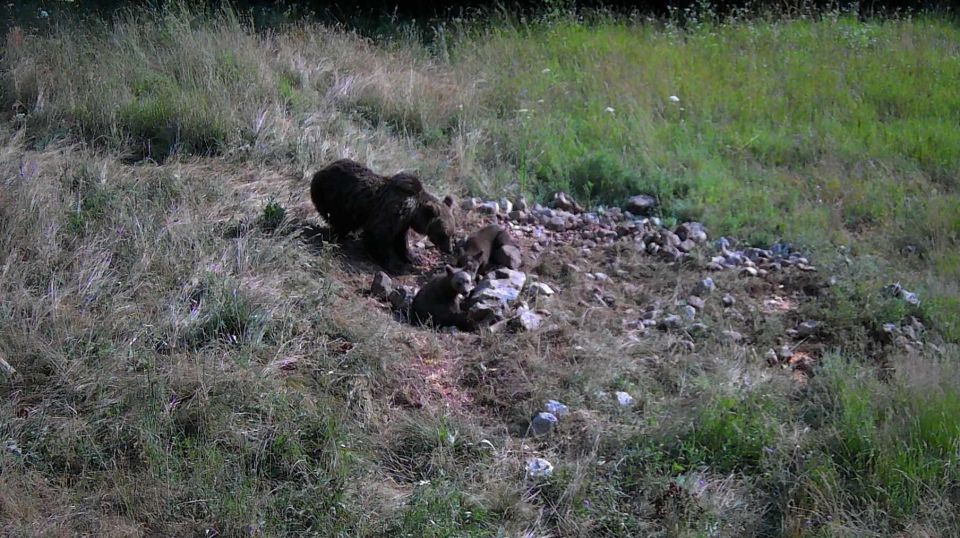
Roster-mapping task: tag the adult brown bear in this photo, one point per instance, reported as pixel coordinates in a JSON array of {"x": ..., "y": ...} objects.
[{"x": 350, "y": 196}]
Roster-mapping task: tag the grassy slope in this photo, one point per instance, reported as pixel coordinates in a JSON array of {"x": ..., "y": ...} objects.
[{"x": 151, "y": 315}]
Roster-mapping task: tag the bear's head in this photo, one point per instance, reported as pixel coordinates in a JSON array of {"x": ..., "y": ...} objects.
[
  {"x": 461, "y": 281},
  {"x": 435, "y": 220}
]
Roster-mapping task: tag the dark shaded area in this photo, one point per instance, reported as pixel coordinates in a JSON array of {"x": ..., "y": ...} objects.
[{"x": 378, "y": 16}]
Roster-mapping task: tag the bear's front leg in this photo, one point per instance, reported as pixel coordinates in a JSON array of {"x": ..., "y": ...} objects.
[{"x": 402, "y": 250}]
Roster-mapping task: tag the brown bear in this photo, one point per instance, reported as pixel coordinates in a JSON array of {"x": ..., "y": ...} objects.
[
  {"x": 488, "y": 248},
  {"x": 350, "y": 196},
  {"x": 438, "y": 301}
]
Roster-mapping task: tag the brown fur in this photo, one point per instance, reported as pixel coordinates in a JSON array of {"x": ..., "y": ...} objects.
[
  {"x": 438, "y": 301},
  {"x": 483, "y": 250},
  {"x": 350, "y": 196}
]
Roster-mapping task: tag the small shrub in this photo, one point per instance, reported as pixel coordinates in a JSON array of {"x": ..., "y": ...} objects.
[{"x": 272, "y": 217}]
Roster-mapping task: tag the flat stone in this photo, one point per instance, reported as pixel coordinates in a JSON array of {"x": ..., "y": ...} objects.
[
  {"x": 808, "y": 328},
  {"x": 704, "y": 287},
  {"x": 539, "y": 468},
  {"x": 689, "y": 312},
  {"x": 693, "y": 231},
  {"x": 556, "y": 224},
  {"x": 624, "y": 399},
  {"x": 640, "y": 204},
  {"x": 733, "y": 336},
  {"x": 526, "y": 320},
  {"x": 539, "y": 289},
  {"x": 555, "y": 407},
  {"x": 696, "y": 302},
  {"x": 382, "y": 285},
  {"x": 728, "y": 301}
]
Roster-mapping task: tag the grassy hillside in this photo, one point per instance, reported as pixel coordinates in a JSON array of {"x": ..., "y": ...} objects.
[{"x": 187, "y": 364}]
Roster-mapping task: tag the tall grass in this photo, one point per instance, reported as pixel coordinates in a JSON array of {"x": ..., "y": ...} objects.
[{"x": 188, "y": 366}]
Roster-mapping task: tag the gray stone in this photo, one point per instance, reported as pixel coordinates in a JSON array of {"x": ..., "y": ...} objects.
[
  {"x": 382, "y": 285},
  {"x": 521, "y": 204},
  {"x": 543, "y": 423},
  {"x": 733, "y": 336},
  {"x": 469, "y": 204},
  {"x": 539, "y": 468},
  {"x": 689, "y": 312},
  {"x": 515, "y": 279},
  {"x": 808, "y": 328},
  {"x": 696, "y": 302},
  {"x": 508, "y": 256},
  {"x": 565, "y": 202},
  {"x": 704, "y": 287},
  {"x": 668, "y": 238},
  {"x": 556, "y": 224},
  {"x": 652, "y": 248},
  {"x": 687, "y": 245},
  {"x": 640, "y": 204},
  {"x": 401, "y": 298},
  {"x": 526, "y": 320},
  {"x": 771, "y": 357},
  {"x": 624, "y": 399},
  {"x": 555, "y": 407},
  {"x": 784, "y": 353},
  {"x": 728, "y": 300},
  {"x": 539, "y": 289},
  {"x": 490, "y": 208},
  {"x": 670, "y": 322},
  {"x": 506, "y": 206},
  {"x": 517, "y": 215},
  {"x": 749, "y": 271},
  {"x": 693, "y": 231}
]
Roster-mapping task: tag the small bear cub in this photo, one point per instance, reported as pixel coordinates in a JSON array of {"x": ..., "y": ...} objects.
[{"x": 438, "y": 301}]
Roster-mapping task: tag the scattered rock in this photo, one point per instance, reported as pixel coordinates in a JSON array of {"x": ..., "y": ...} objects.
[
  {"x": 490, "y": 208},
  {"x": 526, "y": 320},
  {"x": 624, "y": 399},
  {"x": 771, "y": 357},
  {"x": 539, "y": 289},
  {"x": 543, "y": 423},
  {"x": 469, "y": 204},
  {"x": 565, "y": 202},
  {"x": 784, "y": 353},
  {"x": 728, "y": 301},
  {"x": 640, "y": 204},
  {"x": 696, "y": 302},
  {"x": 539, "y": 468},
  {"x": 555, "y": 407},
  {"x": 402, "y": 297},
  {"x": 686, "y": 246},
  {"x": 807, "y": 328},
  {"x": 506, "y": 206},
  {"x": 521, "y": 204},
  {"x": 670, "y": 322},
  {"x": 509, "y": 256},
  {"x": 6, "y": 370},
  {"x": 10, "y": 445},
  {"x": 733, "y": 336},
  {"x": 556, "y": 224},
  {"x": 382, "y": 285},
  {"x": 693, "y": 231},
  {"x": 704, "y": 287},
  {"x": 749, "y": 271},
  {"x": 515, "y": 278},
  {"x": 517, "y": 215},
  {"x": 689, "y": 312}
]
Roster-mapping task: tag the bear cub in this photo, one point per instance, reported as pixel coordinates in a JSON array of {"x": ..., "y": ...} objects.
[
  {"x": 488, "y": 248},
  {"x": 438, "y": 301},
  {"x": 350, "y": 196}
]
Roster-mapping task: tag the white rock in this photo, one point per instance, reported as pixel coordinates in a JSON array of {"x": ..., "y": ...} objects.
[
  {"x": 539, "y": 468},
  {"x": 624, "y": 399}
]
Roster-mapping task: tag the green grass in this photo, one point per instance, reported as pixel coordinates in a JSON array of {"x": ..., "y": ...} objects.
[{"x": 188, "y": 363}]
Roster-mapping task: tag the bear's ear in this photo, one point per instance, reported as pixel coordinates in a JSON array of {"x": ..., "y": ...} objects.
[
  {"x": 449, "y": 200},
  {"x": 450, "y": 271}
]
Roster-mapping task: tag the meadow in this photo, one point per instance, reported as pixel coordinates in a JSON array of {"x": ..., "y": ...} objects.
[{"x": 186, "y": 364}]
